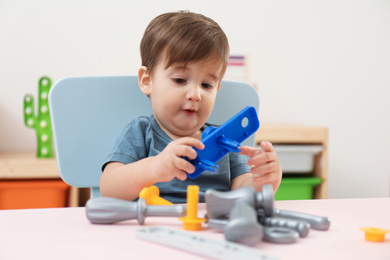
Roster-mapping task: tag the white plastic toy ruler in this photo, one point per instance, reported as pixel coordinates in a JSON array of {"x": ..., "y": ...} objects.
[{"x": 200, "y": 245}]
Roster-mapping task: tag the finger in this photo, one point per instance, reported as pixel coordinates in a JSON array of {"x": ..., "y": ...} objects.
[
  {"x": 248, "y": 150},
  {"x": 264, "y": 169},
  {"x": 181, "y": 175},
  {"x": 185, "y": 151},
  {"x": 267, "y": 178},
  {"x": 267, "y": 146},
  {"x": 191, "y": 142},
  {"x": 183, "y": 165},
  {"x": 262, "y": 158}
]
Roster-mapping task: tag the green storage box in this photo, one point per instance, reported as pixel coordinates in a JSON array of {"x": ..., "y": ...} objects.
[{"x": 297, "y": 188}]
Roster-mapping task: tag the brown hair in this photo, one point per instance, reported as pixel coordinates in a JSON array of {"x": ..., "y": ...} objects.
[{"x": 183, "y": 37}]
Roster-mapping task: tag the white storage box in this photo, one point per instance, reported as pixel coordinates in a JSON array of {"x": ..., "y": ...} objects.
[{"x": 297, "y": 158}]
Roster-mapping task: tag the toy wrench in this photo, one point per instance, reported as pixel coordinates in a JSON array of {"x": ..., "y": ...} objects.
[{"x": 228, "y": 137}]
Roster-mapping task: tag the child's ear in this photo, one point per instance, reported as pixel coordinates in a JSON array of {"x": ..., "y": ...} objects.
[{"x": 144, "y": 80}]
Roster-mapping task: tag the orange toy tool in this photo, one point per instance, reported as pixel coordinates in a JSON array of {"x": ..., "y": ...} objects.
[
  {"x": 191, "y": 221},
  {"x": 152, "y": 196}
]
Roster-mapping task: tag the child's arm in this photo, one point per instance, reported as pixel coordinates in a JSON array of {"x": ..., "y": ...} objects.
[
  {"x": 265, "y": 168},
  {"x": 125, "y": 181}
]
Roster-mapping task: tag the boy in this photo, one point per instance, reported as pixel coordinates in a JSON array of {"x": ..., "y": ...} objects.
[{"x": 184, "y": 57}]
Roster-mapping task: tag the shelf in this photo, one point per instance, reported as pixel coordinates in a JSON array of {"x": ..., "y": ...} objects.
[
  {"x": 300, "y": 134},
  {"x": 26, "y": 166},
  {"x": 290, "y": 133}
]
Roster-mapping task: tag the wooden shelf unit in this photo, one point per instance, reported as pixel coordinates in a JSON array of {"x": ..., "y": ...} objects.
[
  {"x": 298, "y": 134},
  {"x": 26, "y": 166}
]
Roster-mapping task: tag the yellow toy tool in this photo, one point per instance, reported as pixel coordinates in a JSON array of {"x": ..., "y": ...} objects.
[
  {"x": 375, "y": 234},
  {"x": 191, "y": 221},
  {"x": 151, "y": 195}
]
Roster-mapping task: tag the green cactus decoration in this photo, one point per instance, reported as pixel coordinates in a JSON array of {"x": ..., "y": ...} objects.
[{"x": 40, "y": 122}]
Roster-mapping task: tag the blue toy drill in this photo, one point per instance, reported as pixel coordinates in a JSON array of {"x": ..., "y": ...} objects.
[{"x": 227, "y": 137}]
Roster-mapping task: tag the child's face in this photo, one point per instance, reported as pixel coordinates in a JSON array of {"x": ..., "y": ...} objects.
[{"x": 182, "y": 98}]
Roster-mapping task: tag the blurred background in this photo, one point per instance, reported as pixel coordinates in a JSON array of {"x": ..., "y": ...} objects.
[{"x": 316, "y": 63}]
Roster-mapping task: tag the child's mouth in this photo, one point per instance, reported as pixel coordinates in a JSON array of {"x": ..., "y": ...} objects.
[{"x": 189, "y": 111}]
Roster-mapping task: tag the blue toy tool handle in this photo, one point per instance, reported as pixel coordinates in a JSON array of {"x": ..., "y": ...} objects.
[{"x": 228, "y": 137}]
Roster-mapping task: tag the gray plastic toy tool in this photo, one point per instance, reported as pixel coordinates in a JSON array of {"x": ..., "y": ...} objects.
[
  {"x": 106, "y": 210},
  {"x": 243, "y": 226},
  {"x": 220, "y": 203},
  {"x": 280, "y": 235},
  {"x": 232, "y": 212},
  {"x": 302, "y": 227},
  {"x": 235, "y": 212},
  {"x": 316, "y": 222},
  {"x": 275, "y": 234}
]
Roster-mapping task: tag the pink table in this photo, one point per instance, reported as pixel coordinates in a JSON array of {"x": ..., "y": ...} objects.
[{"x": 65, "y": 233}]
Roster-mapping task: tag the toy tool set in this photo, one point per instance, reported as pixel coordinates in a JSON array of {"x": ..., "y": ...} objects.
[{"x": 244, "y": 216}]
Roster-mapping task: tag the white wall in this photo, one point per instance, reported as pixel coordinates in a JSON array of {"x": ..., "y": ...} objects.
[{"x": 323, "y": 63}]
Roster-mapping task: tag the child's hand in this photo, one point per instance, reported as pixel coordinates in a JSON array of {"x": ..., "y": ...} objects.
[
  {"x": 170, "y": 163},
  {"x": 264, "y": 163}
]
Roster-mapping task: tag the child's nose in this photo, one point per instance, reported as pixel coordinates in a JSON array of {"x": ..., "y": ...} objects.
[{"x": 194, "y": 93}]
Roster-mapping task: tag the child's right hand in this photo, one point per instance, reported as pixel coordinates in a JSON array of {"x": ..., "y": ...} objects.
[{"x": 170, "y": 163}]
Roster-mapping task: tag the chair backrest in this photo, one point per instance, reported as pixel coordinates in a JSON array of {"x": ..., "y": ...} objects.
[{"x": 88, "y": 113}]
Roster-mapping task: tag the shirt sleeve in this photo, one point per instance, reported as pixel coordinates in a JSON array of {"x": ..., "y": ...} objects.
[
  {"x": 238, "y": 164},
  {"x": 130, "y": 145}
]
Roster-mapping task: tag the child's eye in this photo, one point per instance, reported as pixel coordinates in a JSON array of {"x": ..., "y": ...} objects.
[
  {"x": 206, "y": 85},
  {"x": 179, "y": 80}
]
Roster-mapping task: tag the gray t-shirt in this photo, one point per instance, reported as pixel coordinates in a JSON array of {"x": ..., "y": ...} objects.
[{"x": 142, "y": 137}]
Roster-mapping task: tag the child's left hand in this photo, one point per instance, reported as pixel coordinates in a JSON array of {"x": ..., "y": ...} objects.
[{"x": 264, "y": 163}]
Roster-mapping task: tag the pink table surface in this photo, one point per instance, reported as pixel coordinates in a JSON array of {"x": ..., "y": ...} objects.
[{"x": 65, "y": 233}]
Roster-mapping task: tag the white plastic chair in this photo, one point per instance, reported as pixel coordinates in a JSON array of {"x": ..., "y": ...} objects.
[{"x": 88, "y": 113}]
